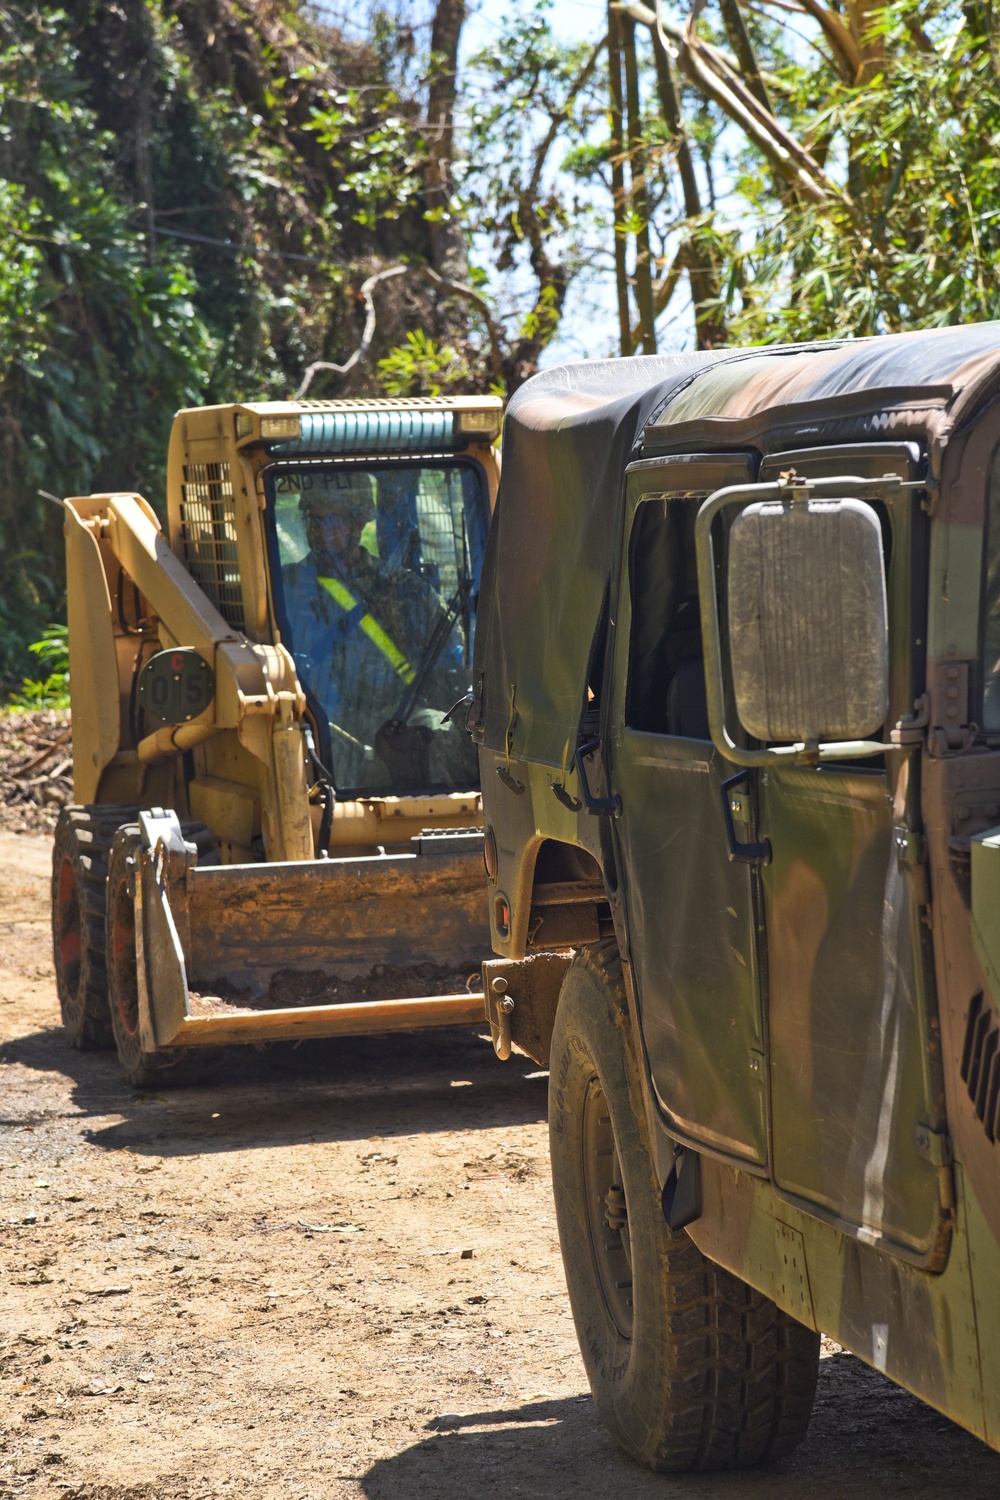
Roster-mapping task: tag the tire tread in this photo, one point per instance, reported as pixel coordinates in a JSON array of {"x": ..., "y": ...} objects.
[{"x": 736, "y": 1374}]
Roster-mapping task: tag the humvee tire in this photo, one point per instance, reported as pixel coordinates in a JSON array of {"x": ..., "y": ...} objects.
[
  {"x": 177, "y": 1067},
  {"x": 80, "y": 853},
  {"x": 690, "y": 1368}
]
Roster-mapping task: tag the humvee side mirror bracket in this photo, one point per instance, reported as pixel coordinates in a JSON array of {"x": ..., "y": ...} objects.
[{"x": 789, "y": 488}]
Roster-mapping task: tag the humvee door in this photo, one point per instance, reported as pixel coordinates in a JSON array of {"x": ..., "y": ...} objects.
[
  {"x": 780, "y": 988},
  {"x": 851, "y": 1049},
  {"x": 691, "y": 910}
]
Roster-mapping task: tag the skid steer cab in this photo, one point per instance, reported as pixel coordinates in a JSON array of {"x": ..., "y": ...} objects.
[
  {"x": 742, "y": 834},
  {"x": 277, "y": 833}
]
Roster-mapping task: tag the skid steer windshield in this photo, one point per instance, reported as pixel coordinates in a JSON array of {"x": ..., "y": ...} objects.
[{"x": 375, "y": 571}]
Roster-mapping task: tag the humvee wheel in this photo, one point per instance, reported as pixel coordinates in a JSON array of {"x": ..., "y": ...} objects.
[
  {"x": 171, "y": 1067},
  {"x": 79, "y": 874},
  {"x": 689, "y": 1367}
]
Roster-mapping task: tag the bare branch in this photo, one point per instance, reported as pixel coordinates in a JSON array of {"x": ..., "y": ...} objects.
[
  {"x": 701, "y": 265},
  {"x": 428, "y": 274},
  {"x": 671, "y": 106},
  {"x": 847, "y": 57},
  {"x": 739, "y": 40},
  {"x": 562, "y": 115},
  {"x": 638, "y": 200},
  {"x": 619, "y": 201},
  {"x": 470, "y": 295},
  {"x": 368, "y": 333}
]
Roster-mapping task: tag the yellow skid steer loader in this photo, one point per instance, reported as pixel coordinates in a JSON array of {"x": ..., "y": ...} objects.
[{"x": 278, "y": 825}]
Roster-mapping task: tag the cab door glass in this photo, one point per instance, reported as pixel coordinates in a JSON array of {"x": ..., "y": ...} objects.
[
  {"x": 375, "y": 572},
  {"x": 991, "y": 606},
  {"x": 666, "y": 668}
]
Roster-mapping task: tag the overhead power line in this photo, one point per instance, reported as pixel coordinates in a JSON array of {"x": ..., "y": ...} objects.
[{"x": 238, "y": 249}]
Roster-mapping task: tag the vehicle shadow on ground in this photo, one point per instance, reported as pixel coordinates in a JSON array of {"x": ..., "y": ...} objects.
[
  {"x": 862, "y": 1425},
  {"x": 349, "y": 1089}
]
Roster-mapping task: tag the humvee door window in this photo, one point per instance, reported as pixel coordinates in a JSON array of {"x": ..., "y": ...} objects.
[
  {"x": 991, "y": 606},
  {"x": 666, "y": 676},
  {"x": 377, "y": 571}
]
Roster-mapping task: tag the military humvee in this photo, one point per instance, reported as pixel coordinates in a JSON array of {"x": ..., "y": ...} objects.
[{"x": 737, "y": 699}]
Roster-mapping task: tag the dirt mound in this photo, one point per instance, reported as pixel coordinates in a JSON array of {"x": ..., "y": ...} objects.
[{"x": 36, "y": 769}]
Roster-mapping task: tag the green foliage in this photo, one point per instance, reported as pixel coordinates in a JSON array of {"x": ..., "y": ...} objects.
[
  {"x": 190, "y": 120},
  {"x": 420, "y": 367},
  {"x": 79, "y": 305},
  {"x": 382, "y": 164},
  {"x": 51, "y": 691},
  {"x": 917, "y": 244}
]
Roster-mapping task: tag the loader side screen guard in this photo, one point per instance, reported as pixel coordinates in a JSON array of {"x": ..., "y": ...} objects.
[{"x": 375, "y": 570}]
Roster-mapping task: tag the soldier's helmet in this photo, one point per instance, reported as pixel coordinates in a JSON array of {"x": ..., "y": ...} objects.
[{"x": 348, "y": 494}]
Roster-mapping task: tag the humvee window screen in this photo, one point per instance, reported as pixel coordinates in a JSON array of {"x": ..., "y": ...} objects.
[
  {"x": 208, "y": 536},
  {"x": 371, "y": 432},
  {"x": 739, "y": 495}
]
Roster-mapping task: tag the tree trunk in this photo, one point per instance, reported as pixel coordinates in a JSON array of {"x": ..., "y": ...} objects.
[
  {"x": 702, "y": 268},
  {"x": 447, "y": 244},
  {"x": 619, "y": 204},
  {"x": 739, "y": 41},
  {"x": 637, "y": 196}
]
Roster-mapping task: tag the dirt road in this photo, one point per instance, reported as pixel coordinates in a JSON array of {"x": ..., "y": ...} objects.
[{"x": 333, "y": 1276}]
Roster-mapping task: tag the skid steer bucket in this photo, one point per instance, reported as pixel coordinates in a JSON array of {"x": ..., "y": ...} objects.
[{"x": 333, "y": 947}]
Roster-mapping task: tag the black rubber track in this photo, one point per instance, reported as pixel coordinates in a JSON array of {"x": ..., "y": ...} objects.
[{"x": 80, "y": 855}]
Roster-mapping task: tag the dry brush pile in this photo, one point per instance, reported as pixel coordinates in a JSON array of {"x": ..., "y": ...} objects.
[{"x": 36, "y": 769}]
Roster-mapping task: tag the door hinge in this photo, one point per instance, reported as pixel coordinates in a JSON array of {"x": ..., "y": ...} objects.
[
  {"x": 950, "y": 729},
  {"x": 911, "y": 847},
  {"x": 934, "y": 1145},
  {"x": 911, "y": 728}
]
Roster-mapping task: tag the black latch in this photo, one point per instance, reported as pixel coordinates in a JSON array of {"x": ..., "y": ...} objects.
[
  {"x": 735, "y": 802},
  {"x": 599, "y": 806}
]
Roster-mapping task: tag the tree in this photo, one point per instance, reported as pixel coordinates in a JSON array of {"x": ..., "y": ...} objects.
[
  {"x": 868, "y": 203},
  {"x": 192, "y": 193}
]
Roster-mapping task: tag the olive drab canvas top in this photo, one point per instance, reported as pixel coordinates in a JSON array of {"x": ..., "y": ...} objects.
[{"x": 569, "y": 434}]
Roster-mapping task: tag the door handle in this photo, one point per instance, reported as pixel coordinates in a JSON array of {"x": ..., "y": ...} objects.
[
  {"x": 751, "y": 853},
  {"x": 610, "y": 806}
]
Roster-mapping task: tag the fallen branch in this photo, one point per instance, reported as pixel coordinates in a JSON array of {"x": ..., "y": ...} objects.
[
  {"x": 712, "y": 75},
  {"x": 847, "y": 55},
  {"x": 43, "y": 755}
]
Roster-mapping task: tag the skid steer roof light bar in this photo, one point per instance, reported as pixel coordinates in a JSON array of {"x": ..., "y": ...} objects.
[{"x": 402, "y": 431}]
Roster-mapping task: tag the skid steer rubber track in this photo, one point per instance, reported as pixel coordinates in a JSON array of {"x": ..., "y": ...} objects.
[{"x": 80, "y": 854}]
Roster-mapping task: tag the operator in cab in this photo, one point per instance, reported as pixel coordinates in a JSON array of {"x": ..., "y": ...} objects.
[{"x": 377, "y": 646}]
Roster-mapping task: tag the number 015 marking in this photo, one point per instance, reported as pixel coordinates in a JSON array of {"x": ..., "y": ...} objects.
[{"x": 176, "y": 686}]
